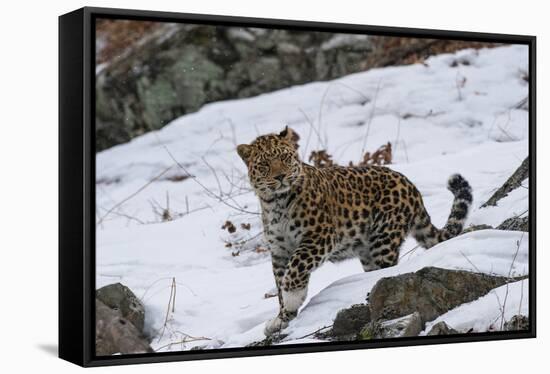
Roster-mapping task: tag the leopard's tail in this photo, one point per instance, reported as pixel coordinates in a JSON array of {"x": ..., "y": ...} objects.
[{"x": 426, "y": 234}]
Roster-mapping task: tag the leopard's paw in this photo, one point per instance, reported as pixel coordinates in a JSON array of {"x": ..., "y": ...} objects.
[{"x": 274, "y": 325}]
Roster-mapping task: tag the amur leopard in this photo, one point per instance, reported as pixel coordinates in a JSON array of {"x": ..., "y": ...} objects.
[{"x": 312, "y": 215}]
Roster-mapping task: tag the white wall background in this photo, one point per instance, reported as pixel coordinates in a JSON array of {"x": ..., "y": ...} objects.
[{"x": 28, "y": 192}]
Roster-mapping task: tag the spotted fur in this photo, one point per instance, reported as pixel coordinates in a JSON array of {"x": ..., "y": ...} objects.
[{"x": 313, "y": 215}]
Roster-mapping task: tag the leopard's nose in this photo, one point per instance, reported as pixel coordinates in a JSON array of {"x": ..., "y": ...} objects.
[{"x": 279, "y": 178}]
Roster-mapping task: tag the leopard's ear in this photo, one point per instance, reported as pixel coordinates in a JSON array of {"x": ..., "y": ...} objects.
[
  {"x": 244, "y": 150},
  {"x": 290, "y": 135}
]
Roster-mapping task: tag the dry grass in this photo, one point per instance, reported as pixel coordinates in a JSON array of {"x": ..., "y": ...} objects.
[
  {"x": 321, "y": 159},
  {"x": 118, "y": 35},
  {"x": 382, "y": 156}
]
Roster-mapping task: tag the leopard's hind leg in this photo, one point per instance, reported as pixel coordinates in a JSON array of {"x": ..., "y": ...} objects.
[{"x": 381, "y": 248}]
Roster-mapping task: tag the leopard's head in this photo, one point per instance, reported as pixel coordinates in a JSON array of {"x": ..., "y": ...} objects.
[{"x": 273, "y": 162}]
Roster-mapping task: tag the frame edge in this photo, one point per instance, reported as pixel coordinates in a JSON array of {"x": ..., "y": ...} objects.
[
  {"x": 74, "y": 106},
  {"x": 71, "y": 193}
]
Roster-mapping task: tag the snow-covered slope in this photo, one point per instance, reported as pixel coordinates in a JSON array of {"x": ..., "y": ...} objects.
[{"x": 455, "y": 113}]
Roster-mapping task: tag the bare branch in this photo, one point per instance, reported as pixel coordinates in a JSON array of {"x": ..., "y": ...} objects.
[
  {"x": 133, "y": 194},
  {"x": 369, "y": 121},
  {"x": 518, "y": 243},
  {"x": 187, "y": 339},
  {"x": 206, "y": 189},
  {"x": 471, "y": 263},
  {"x": 321, "y": 111},
  {"x": 315, "y": 332},
  {"x": 311, "y": 129}
]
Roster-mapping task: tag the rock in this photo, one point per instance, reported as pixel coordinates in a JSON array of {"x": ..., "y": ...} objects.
[
  {"x": 515, "y": 224},
  {"x": 521, "y": 173},
  {"x": 115, "y": 334},
  {"x": 119, "y": 297},
  {"x": 349, "y": 322},
  {"x": 407, "y": 326},
  {"x": 477, "y": 228},
  {"x": 441, "y": 328},
  {"x": 175, "y": 69},
  {"x": 270, "y": 340},
  {"x": 517, "y": 323},
  {"x": 430, "y": 291}
]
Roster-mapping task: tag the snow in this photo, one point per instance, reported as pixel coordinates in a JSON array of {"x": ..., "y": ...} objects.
[
  {"x": 437, "y": 127},
  {"x": 343, "y": 40},
  {"x": 241, "y": 34},
  {"x": 486, "y": 313}
]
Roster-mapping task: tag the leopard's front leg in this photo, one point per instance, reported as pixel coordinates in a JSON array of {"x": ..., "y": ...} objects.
[
  {"x": 279, "y": 260},
  {"x": 293, "y": 285}
]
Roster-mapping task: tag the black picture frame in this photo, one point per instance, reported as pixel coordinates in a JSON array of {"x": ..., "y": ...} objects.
[{"x": 77, "y": 187}]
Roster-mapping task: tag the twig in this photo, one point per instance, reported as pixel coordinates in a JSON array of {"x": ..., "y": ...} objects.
[
  {"x": 410, "y": 251},
  {"x": 509, "y": 277},
  {"x": 311, "y": 129},
  {"x": 471, "y": 263},
  {"x": 206, "y": 189},
  {"x": 365, "y": 97},
  {"x": 321, "y": 110},
  {"x": 186, "y": 204},
  {"x": 314, "y": 332},
  {"x": 233, "y": 184},
  {"x": 518, "y": 244},
  {"x": 459, "y": 84},
  {"x": 520, "y": 298},
  {"x": 171, "y": 301},
  {"x": 120, "y": 214},
  {"x": 522, "y": 213},
  {"x": 371, "y": 116},
  {"x": 175, "y": 289},
  {"x": 492, "y": 125},
  {"x": 187, "y": 339},
  {"x": 233, "y": 132},
  {"x": 406, "y": 153},
  {"x": 133, "y": 194},
  {"x": 215, "y": 175},
  {"x": 142, "y": 298},
  {"x": 506, "y": 133},
  {"x": 397, "y": 136},
  {"x": 129, "y": 217},
  {"x": 244, "y": 241}
]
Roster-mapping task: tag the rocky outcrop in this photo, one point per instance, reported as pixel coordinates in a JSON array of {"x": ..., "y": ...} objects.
[
  {"x": 119, "y": 297},
  {"x": 119, "y": 322},
  {"x": 402, "y": 327},
  {"x": 441, "y": 328},
  {"x": 115, "y": 334},
  {"x": 177, "y": 68},
  {"x": 349, "y": 322},
  {"x": 521, "y": 173},
  {"x": 477, "y": 228},
  {"x": 512, "y": 224},
  {"x": 430, "y": 291},
  {"x": 517, "y": 323},
  {"x": 400, "y": 306},
  {"x": 515, "y": 224}
]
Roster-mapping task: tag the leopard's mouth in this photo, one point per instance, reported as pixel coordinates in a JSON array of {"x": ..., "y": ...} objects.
[{"x": 277, "y": 187}]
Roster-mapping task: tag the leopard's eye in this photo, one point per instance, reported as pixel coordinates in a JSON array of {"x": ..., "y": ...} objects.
[{"x": 263, "y": 169}]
